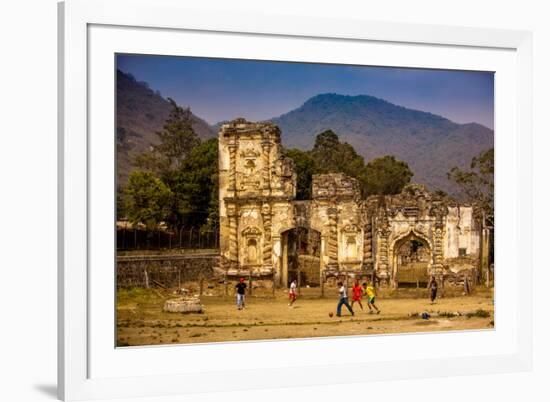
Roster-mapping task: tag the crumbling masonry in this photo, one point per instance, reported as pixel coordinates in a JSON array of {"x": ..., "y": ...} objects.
[{"x": 265, "y": 232}]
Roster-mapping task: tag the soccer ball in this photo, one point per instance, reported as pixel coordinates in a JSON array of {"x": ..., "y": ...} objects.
[{"x": 330, "y": 314}]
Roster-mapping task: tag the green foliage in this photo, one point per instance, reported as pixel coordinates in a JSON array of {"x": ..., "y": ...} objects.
[
  {"x": 477, "y": 184},
  {"x": 195, "y": 185},
  {"x": 381, "y": 176},
  {"x": 304, "y": 166},
  {"x": 187, "y": 167},
  {"x": 332, "y": 156},
  {"x": 147, "y": 199},
  {"x": 176, "y": 141},
  {"x": 386, "y": 175}
]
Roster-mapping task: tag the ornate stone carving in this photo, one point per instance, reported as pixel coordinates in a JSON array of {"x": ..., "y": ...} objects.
[
  {"x": 249, "y": 153},
  {"x": 283, "y": 177},
  {"x": 335, "y": 186},
  {"x": 257, "y": 189},
  {"x": 252, "y": 231},
  {"x": 267, "y": 250},
  {"x": 350, "y": 228},
  {"x": 332, "y": 213}
]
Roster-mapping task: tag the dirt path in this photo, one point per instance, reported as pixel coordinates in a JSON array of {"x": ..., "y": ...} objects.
[{"x": 141, "y": 320}]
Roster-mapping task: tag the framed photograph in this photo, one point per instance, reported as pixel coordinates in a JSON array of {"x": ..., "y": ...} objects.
[{"x": 297, "y": 200}]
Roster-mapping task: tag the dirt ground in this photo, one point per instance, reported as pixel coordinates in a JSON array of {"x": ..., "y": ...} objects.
[{"x": 141, "y": 320}]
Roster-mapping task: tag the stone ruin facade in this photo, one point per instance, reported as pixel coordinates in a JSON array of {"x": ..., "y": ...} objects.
[{"x": 266, "y": 233}]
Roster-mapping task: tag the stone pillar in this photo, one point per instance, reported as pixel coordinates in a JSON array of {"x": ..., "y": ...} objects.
[
  {"x": 484, "y": 255},
  {"x": 277, "y": 258},
  {"x": 266, "y": 179},
  {"x": 383, "y": 266},
  {"x": 367, "y": 246},
  {"x": 383, "y": 233},
  {"x": 333, "y": 239},
  {"x": 232, "y": 147},
  {"x": 439, "y": 211},
  {"x": 267, "y": 253},
  {"x": 232, "y": 217},
  {"x": 438, "y": 234},
  {"x": 284, "y": 273}
]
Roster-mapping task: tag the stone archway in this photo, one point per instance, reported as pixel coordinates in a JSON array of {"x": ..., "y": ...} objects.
[
  {"x": 412, "y": 258},
  {"x": 301, "y": 256}
]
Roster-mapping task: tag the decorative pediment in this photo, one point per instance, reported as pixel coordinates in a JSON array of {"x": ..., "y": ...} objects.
[
  {"x": 251, "y": 231},
  {"x": 250, "y": 153},
  {"x": 351, "y": 228}
]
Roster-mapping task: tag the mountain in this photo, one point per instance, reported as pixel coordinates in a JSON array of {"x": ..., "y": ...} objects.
[
  {"x": 140, "y": 112},
  {"x": 430, "y": 144}
]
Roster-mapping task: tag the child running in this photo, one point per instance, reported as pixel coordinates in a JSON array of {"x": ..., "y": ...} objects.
[
  {"x": 292, "y": 293},
  {"x": 357, "y": 294},
  {"x": 343, "y": 300},
  {"x": 371, "y": 296}
]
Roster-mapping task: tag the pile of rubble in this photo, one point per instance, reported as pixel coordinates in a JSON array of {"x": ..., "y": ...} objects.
[{"x": 183, "y": 305}]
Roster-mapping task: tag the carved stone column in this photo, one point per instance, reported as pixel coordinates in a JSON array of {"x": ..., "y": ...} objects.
[
  {"x": 367, "y": 246},
  {"x": 232, "y": 217},
  {"x": 383, "y": 257},
  {"x": 232, "y": 147},
  {"x": 439, "y": 212},
  {"x": 268, "y": 248},
  {"x": 382, "y": 249},
  {"x": 438, "y": 233},
  {"x": 266, "y": 179},
  {"x": 333, "y": 238}
]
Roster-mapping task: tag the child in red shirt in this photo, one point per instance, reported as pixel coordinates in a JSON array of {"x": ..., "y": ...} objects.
[{"x": 357, "y": 292}]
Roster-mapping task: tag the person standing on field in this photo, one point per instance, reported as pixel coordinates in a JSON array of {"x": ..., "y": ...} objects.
[
  {"x": 432, "y": 286},
  {"x": 343, "y": 300},
  {"x": 241, "y": 289},
  {"x": 292, "y": 293}
]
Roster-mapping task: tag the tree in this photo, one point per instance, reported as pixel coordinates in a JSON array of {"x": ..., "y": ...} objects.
[
  {"x": 332, "y": 156},
  {"x": 147, "y": 199},
  {"x": 381, "y": 176},
  {"x": 304, "y": 166},
  {"x": 176, "y": 141},
  {"x": 195, "y": 186},
  {"x": 386, "y": 175},
  {"x": 477, "y": 184}
]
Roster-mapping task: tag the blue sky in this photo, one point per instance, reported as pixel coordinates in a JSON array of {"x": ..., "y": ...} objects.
[{"x": 222, "y": 89}]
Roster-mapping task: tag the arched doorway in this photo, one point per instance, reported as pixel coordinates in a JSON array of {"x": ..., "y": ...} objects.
[
  {"x": 412, "y": 257},
  {"x": 301, "y": 256}
]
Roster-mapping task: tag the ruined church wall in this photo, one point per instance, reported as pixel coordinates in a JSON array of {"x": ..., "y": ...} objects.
[
  {"x": 257, "y": 187},
  {"x": 223, "y": 181},
  {"x": 254, "y": 177},
  {"x": 461, "y": 232},
  {"x": 350, "y": 236}
]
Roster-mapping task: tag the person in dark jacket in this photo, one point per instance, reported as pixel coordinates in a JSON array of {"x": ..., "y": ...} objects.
[{"x": 432, "y": 286}]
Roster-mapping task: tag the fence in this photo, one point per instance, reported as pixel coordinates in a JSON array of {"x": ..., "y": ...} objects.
[
  {"x": 164, "y": 271},
  {"x": 192, "y": 238}
]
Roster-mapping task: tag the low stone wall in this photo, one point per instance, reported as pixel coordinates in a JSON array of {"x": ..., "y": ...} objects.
[{"x": 167, "y": 271}]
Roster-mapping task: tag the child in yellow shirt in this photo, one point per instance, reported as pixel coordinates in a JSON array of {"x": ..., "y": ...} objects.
[{"x": 371, "y": 296}]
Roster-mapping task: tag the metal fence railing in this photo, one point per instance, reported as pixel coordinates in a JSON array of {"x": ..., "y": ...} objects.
[{"x": 185, "y": 238}]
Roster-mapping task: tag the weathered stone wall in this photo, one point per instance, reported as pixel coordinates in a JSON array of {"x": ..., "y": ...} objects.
[
  {"x": 258, "y": 209},
  {"x": 168, "y": 271},
  {"x": 256, "y": 182},
  {"x": 462, "y": 232}
]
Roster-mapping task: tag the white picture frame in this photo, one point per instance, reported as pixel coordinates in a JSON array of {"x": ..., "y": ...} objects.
[{"x": 89, "y": 365}]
